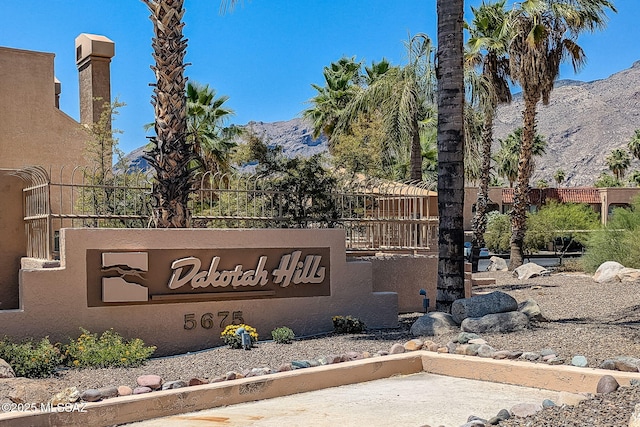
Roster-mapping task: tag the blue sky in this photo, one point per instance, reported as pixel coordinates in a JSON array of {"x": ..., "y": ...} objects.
[{"x": 264, "y": 55}]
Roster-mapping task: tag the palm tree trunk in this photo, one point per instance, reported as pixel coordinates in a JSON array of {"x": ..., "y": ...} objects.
[
  {"x": 170, "y": 154},
  {"x": 479, "y": 222},
  {"x": 521, "y": 191},
  {"x": 416, "y": 153},
  {"x": 450, "y": 153}
]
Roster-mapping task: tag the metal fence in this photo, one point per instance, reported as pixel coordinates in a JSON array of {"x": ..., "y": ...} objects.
[{"x": 376, "y": 215}]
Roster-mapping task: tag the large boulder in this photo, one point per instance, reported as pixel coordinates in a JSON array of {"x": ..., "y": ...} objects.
[
  {"x": 529, "y": 270},
  {"x": 6, "y": 371},
  {"x": 531, "y": 308},
  {"x": 497, "y": 264},
  {"x": 608, "y": 272},
  {"x": 629, "y": 275},
  {"x": 498, "y": 322},
  {"x": 435, "y": 323},
  {"x": 481, "y": 305}
]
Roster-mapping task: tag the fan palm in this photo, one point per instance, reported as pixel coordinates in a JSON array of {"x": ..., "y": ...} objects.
[
  {"x": 451, "y": 100},
  {"x": 634, "y": 144},
  {"x": 618, "y": 162},
  {"x": 206, "y": 116},
  {"x": 490, "y": 34},
  {"x": 342, "y": 81},
  {"x": 404, "y": 96},
  {"x": 508, "y": 155},
  {"x": 559, "y": 176},
  {"x": 545, "y": 34}
]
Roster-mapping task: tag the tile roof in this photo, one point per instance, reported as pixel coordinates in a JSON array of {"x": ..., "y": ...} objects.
[{"x": 538, "y": 196}]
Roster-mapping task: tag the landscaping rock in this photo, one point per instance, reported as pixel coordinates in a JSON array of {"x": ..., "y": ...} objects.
[
  {"x": 503, "y": 415},
  {"x": 525, "y": 409},
  {"x": 396, "y": 349},
  {"x": 68, "y": 395},
  {"x": 608, "y": 272},
  {"x": 430, "y": 345},
  {"x": 507, "y": 354},
  {"x": 579, "y": 361},
  {"x": 481, "y": 305},
  {"x": 124, "y": 390},
  {"x": 548, "y": 403},
  {"x": 91, "y": 395},
  {"x": 6, "y": 371},
  {"x": 413, "y": 345},
  {"x": 634, "y": 421},
  {"x": 154, "y": 382},
  {"x": 198, "y": 381},
  {"x": 626, "y": 364},
  {"x": 107, "y": 392},
  {"x": 174, "y": 384},
  {"x": 465, "y": 337},
  {"x": 300, "y": 364},
  {"x": 570, "y": 399},
  {"x": 531, "y": 356},
  {"x": 548, "y": 352},
  {"x": 497, "y": 264},
  {"x": 142, "y": 390},
  {"x": 285, "y": 367},
  {"x": 627, "y": 275},
  {"x": 231, "y": 375},
  {"x": 499, "y": 322},
  {"x": 531, "y": 308},
  {"x": 435, "y": 323},
  {"x": 529, "y": 270},
  {"x": 451, "y": 347},
  {"x": 486, "y": 350},
  {"x": 607, "y": 384},
  {"x": 442, "y": 350},
  {"x": 608, "y": 364},
  {"x": 555, "y": 361}
]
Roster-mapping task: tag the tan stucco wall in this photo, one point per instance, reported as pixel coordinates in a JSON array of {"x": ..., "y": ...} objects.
[
  {"x": 12, "y": 240},
  {"x": 54, "y": 301},
  {"x": 33, "y": 130},
  {"x": 406, "y": 275}
]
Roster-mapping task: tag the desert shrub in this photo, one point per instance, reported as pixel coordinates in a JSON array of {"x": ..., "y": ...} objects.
[
  {"x": 108, "y": 350},
  {"x": 283, "y": 335},
  {"x": 234, "y": 340},
  {"x": 498, "y": 232},
  {"x": 618, "y": 241},
  {"x": 571, "y": 265},
  {"x": 348, "y": 325},
  {"x": 31, "y": 359}
]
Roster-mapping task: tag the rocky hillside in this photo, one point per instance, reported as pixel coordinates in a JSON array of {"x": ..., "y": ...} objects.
[{"x": 582, "y": 123}]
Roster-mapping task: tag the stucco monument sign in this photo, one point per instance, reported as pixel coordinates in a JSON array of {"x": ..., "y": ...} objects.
[{"x": 177, "y": 289}]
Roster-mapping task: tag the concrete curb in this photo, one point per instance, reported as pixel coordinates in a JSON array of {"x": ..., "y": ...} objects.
[{"x": 158, "y": 404}]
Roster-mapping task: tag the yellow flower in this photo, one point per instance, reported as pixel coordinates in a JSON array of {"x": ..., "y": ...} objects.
[{"x": 76, "y": 362}]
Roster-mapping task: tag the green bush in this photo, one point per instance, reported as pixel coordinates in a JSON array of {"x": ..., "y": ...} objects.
[
  {"x": 109, "y": 350},
  {"x": 618, "y": 241},
  {"x": 498, "y": 232},
  {"x": 234, "y": 340},
  {"x": 31, "y": 359},
  {"x": 283, "y": 335},
  {"x": 348, "y": 325}
]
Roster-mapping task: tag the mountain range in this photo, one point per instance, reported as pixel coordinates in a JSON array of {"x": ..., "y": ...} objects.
[{"x": 582, "y": 124}]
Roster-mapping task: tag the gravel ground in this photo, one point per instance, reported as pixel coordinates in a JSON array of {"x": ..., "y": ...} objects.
[{"x": 598, "y": 321}]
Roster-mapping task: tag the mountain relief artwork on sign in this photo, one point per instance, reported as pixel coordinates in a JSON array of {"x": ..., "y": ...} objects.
[{"x": 169, "y": 276}]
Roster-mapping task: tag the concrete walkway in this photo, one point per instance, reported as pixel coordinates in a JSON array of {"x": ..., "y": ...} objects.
[{"x": 408, "y": 400}]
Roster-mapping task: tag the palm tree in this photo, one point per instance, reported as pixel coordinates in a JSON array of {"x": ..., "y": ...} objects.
[
  {"x": 634, "y": 144},
  {"x": 634, "y": 179},
  {"x": 487, "y": 48},
  {"x": 206, "y": 116},
  {"x": 559, "y": 176},
  {"x": 508, "y": 155},
  {"x": 450, "y": 74},
  {"x": 342, "y": 82},
  {"x": 545, "y": 34},
  {"x": 405, "y": 98},
  {"x": 170, "y": 153},
  {"x": 618, "y": 162}
]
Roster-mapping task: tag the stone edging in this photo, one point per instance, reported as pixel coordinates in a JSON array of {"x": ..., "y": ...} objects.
[{"x": 128, "y": 409}]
